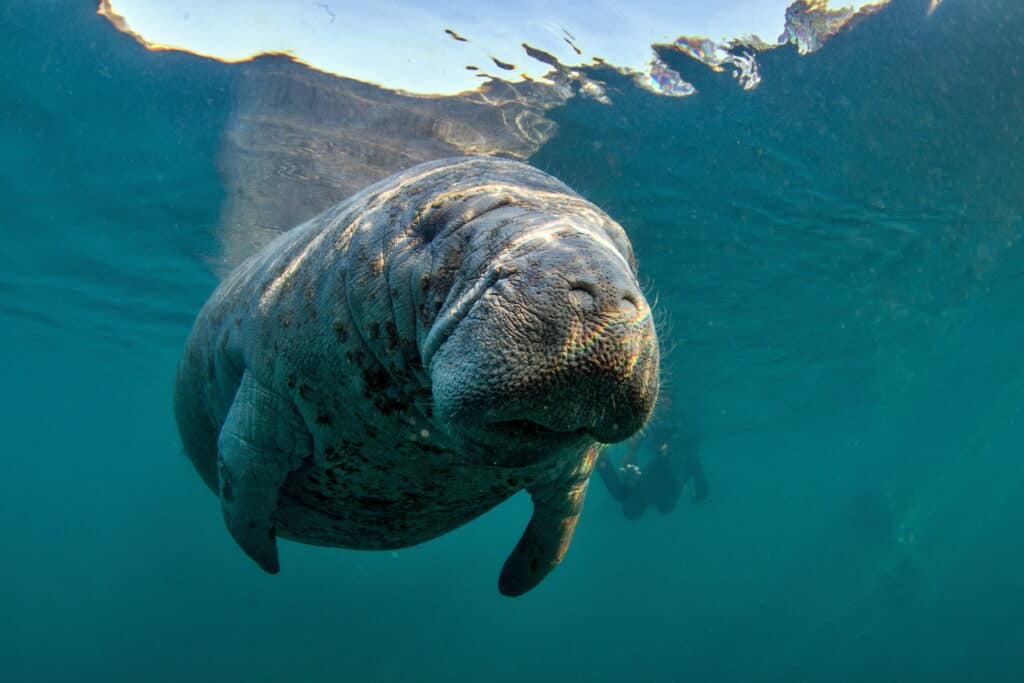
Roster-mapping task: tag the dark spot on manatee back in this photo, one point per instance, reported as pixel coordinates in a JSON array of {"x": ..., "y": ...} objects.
[
  {"x": 374, "y": 330},
  {"x": 358, "y": 359},
  {"x": 393, "y": 339},
  {"x": 340, "y": 332},
  {"x": 368, "y": 428},
  {"x": 412, "y": 359},
  {"x": 387, "y": 405},
  {"x": 453, "y": 260},
  {"x": 375, "y": 379},
  {"x": 324, "y": 419},
  {"x": 438, "y": 286},
  {"x": 306, "y": 392}
]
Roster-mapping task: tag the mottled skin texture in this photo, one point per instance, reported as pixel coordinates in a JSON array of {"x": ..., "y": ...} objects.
[{"x": 415, "y": 355}]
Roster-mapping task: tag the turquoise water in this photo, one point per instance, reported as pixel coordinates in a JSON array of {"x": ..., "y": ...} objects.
[{"x": 838, "y": 261}]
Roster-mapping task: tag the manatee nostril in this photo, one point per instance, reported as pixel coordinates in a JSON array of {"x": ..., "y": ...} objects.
[
  {"x": 630, "y": 303},
  {"x": 583, "y": 293}
]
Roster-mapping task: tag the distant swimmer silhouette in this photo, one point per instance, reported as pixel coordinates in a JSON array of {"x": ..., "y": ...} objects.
[{"x": 661, "y": 482}]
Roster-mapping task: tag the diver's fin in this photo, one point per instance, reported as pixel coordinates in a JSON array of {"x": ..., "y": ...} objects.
[
  {"x": 556, "y": 509},
  {"x": 261, "y": 442}
]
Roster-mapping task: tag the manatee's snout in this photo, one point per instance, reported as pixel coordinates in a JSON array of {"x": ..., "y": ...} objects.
[
  {"x": 561, "y": 347},
  {"x": 599, "y": 349}
]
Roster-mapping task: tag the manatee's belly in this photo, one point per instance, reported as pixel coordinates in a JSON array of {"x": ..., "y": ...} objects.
[{"x": 382, "y": 507}]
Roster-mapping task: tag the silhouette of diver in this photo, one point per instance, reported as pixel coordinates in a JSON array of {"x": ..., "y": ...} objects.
[{"x": 661, "y": 482}]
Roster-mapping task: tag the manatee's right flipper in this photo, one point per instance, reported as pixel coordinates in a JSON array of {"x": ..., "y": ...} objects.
[
  {"x": 263, "y": 439},
  {"x": 556, "y": 509}
]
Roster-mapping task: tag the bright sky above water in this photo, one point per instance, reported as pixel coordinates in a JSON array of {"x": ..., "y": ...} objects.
[{"x": 402, "y": 44}]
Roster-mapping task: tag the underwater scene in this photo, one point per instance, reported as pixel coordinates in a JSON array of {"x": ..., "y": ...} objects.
[{"x": 803, "y": 348}]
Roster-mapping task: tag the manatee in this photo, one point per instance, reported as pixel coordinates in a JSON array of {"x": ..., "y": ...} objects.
[{"x": 413, "y": 356}]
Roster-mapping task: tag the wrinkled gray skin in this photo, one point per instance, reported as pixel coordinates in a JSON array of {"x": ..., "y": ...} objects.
[{"x": 415, "y": 355}]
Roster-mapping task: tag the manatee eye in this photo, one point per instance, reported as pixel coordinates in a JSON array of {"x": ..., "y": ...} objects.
[
  {"x": 428, "y": 229},
  {"x": 431, "y": 220}
]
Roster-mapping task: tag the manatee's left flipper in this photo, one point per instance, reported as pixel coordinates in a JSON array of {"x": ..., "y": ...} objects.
[
  {"x": 556, "y": 509},
  {"x": 263, "y": 440}
]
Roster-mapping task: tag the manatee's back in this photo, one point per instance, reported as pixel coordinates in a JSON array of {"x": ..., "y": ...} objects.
[
  {"x": 214, "y": 359},
  {"x": 206, "y": 384}
]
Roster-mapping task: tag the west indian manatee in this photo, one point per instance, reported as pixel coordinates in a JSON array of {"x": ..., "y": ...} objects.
[{"x": 415, "y": 355}]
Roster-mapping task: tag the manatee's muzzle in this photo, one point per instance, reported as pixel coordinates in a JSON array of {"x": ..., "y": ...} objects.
[
  {"x": 605, "y": 386},
  {"x": 561, "y": 348}
]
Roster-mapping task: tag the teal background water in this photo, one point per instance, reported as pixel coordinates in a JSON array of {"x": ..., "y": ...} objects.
[{"x": 838, "y": 261}]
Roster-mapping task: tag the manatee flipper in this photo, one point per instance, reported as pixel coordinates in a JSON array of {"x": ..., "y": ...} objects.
[
  {"x": 556, "y": 509},
  {"x": 260, "y": 443}
]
